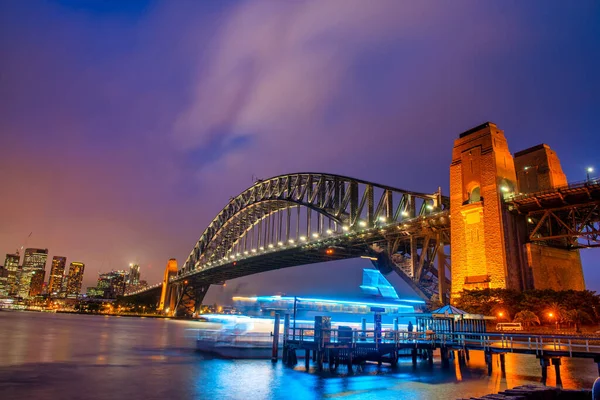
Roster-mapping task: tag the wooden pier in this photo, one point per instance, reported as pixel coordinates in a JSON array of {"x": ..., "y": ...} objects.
[{"x": 329, "y": 348}]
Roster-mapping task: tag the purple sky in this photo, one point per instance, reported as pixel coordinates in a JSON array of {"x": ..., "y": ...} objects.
[{"x": 126, "y": 126}]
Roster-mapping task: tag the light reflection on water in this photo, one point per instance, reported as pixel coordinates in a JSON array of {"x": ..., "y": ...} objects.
[{"x": 58, "y": 356}]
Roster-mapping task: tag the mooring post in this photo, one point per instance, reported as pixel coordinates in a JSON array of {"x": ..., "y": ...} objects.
[
  {"x": 275, "y": 351},
  {"x": 544, "y": 364},
  {"x": 502, "y": 363},
  {"x": 556, "y": 363},
  {"x": 430, "y": 356}
]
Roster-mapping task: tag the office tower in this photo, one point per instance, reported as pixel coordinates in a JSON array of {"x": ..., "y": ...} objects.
[
  {"x": 13, "y": 271},
  {"x": 57, "y": 272},
  {"x": 33, "y": 262},
  {"x": 134, "y": 275},
  {"x": 37, "y": 282},
  {"x": 112, "y": 283},
  {"x": 3, "y": 281},
  {"x": 75, "y": 279}
]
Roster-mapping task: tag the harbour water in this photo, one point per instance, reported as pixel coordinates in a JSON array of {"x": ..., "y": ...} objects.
[{"x": 68, "y": 356}]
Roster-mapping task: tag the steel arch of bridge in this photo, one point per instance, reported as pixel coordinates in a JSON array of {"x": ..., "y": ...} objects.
[{"x": 262, "y": 217}]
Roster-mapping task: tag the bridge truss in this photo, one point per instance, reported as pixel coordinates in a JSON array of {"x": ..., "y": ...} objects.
[
  {"x": 305, "y": 218},
  {"x": 566, "y": 217}
]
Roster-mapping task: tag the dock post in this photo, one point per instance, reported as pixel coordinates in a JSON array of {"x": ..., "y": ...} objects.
[
  {"x": 349, "y": 362},
  {"x": 275, "y": 351},
  {"x": 414, "y": 357},
  {"x": 363, "y": 328},
  {"x": 502, "y": 363},
  {"x": 285, "y": 357},
  {"x": 430, "y": 356},
  {"x": 556, "y": 363},
  {"x": 445, "y": 355},
  {"x": 488, "y": 361},
  {"x": 307, "y": 359},
  {"x": 544, "y": 364}
]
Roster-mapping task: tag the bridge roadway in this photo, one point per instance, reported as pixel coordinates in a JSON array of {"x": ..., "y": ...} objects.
[{"x": 333, "y": 348}]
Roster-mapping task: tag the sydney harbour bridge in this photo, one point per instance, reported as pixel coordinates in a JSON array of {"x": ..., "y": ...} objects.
[{"x": 304, "y": 218}]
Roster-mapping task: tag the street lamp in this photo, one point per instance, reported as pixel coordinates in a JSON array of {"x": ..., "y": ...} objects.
[{"x": 589, "y": 170}]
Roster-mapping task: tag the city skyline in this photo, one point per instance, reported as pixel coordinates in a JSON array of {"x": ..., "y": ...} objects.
[{"x": 141, "y": 150}]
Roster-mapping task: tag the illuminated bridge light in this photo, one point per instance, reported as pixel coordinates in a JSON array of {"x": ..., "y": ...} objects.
[
  {"x": 530, "y": 220},
  {"x": 315, "y": 235},
  {"x": 261, "y": 248},
  {"x": 345, "y": 228},
  {"x": 329, "y": 231},
  {"x": 405, "y": 213},
  {"x": 279, "y": 243},
  {"x": 429, "y": 206},
  {"x": 253, "y": 250},
  {"x": 303, "y": 238},
  {"x": 246, "y": 252},
  {"x": 291, "y": 241},
  {"x": 270, "y": 245},
  {"x": 382, "y": 219},
  {"x": 362, "y": 224}
]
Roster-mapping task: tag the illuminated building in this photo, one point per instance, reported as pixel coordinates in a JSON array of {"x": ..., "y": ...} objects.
[
  {"x": 94, "y": 292},
  {"x": 34, "y": 263},
  {"x": 3, "y": 282},
  {"x": 75, "y": 278},
  {"x": 112, "y": 284},
  {"x": 37, "y": 282},
  {"x": 57, "y": 272},
  {"x": 13, "y": 272},
  {"x": 134, "y": 275}
]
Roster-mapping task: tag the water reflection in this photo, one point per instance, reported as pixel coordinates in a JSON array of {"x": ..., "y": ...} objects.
[{"x": 46, "y": 356}]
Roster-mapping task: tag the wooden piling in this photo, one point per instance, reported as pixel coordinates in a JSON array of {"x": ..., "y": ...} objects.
[
  {"x": 556, "y": 363},
  {"x": 274, "y": 354},
  {"x": 307, "y": 359},
  {"x": 488, "y": 361},
  {"x": 544, "y": 364}
]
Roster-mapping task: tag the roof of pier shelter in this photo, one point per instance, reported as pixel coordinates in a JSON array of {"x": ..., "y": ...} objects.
[{"x": 455, "y": 313}]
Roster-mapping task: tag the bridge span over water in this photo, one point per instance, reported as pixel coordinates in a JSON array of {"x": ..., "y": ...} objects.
[{"x": 516, "y": 223}]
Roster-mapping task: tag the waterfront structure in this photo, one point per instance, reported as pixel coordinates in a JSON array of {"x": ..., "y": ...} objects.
[
  {"x": 75, "y": 278},
  {"x": 13, "y": 273},
  {"x": 94, "y": 292},
  {"x": 515, "y": 223},
  {"x": 57, "y": 271},
  {"x": 34, "y": 263}
]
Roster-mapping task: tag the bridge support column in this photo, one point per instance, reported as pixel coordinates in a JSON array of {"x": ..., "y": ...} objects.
[
  {"x": 503, "y": 364},
  {"x": 544, "y": 363},
  {"x": 556, "y": 363},
  {"x": 467, "y": 354}
]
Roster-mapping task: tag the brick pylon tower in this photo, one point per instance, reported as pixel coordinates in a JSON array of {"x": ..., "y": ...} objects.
[
  {"x": 481, "y": 173},
  {"x": 165, "y": 295}
]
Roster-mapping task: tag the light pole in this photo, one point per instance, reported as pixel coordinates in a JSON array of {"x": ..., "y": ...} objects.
[{"x": 589, "y": 170}]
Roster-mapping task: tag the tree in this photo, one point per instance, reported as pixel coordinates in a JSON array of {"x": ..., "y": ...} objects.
[
  {"x": 578, "y": 317},
  {"x": 527, "y": 318}
]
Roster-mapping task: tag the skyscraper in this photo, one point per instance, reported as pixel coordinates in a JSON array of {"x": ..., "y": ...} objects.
[
  {"x": 3, "y": 282},
  {"x": 134, "y": 275},
  {"x": 75, "y": 279},
  {"x": 57, "y": 272},
  {"x": 13, "y": 270},
  {"x": 33, "y": 262},
  {"x": 37, "y": 282},
  {"x": 112, "y": 284}
]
